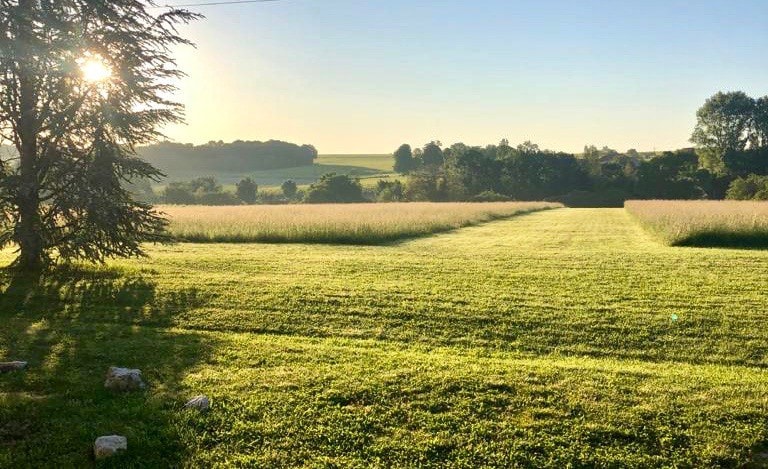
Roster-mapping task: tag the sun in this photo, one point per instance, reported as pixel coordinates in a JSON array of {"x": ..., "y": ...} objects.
[{"x": 95, "y": 70}]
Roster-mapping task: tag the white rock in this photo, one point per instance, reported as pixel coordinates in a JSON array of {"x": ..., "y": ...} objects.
[
  {"x": 201, "y": 403},
  {"x": 6, "y": 367},
  {"x": 123, "y": 379},
  {"x": 106, "y": 446}
]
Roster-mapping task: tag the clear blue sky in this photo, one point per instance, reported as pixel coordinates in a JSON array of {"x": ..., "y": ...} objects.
[{"x": 363, "y": 76}]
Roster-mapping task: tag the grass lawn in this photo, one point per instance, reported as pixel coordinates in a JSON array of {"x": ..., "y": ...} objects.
[{"x": 544, "y": 340}]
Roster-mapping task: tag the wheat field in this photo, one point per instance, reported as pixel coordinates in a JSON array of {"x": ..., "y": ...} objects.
[
  {"x": 333, "y": 223},
  {"x": 704, "y": 222}
]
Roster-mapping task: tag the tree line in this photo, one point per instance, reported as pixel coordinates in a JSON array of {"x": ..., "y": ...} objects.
[
  {"x": 329, "y": 188},
  {"x": 238, "y": 156},
  {"x": 730, "y": 160}
]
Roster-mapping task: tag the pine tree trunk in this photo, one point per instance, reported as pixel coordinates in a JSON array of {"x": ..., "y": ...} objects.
[{"x": 29, "y": 229}]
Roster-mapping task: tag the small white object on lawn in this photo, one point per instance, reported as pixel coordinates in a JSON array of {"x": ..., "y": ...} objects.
[
  {"x": 106, "y": 446},
  {"x": 201, "y": 403},
  {"x": 7, "y": 367},
  {"x": 123, "y": 379}
]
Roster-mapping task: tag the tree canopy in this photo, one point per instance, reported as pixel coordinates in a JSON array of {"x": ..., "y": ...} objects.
[
  {"x": 82, "y": 84},
  {"x": 729, "y": 122},
  {"x": 238, "y": 156}
]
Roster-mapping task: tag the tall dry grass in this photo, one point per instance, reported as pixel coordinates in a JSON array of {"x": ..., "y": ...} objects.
[
  {"x": 704, "y": 222},
  {"x": 333, "y": 223}
]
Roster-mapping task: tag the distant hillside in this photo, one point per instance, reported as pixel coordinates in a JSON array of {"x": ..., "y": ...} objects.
[{"x": 238, "y": 156}]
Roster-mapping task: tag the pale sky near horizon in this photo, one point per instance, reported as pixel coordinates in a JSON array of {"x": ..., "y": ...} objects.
[{"x": 364, "y": 76}]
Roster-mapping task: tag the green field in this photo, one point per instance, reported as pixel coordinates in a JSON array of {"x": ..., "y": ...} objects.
[
  {"x": 563, "y": 338},
  {"x": 381, "y": 163},
  {"x": 369, "y": 168}
]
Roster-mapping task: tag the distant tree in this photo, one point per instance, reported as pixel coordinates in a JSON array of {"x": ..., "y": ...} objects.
[
  {"x": 433, "y": 155},
  {"x": 75, "y": 136},
  {"x": 591, "y": 160},
  {"x": 536, "y": 175},
  {"x": 217, "y": 198},
  {"x": 503, "y": 149},
  {"x": 743, "y": 163},
  {"x": 529, "y": 148},
  {"x": 475, "y": 170},
  {"x": 760, "y": 122},
  {"x": 669, "y": 176},
  {"x": 724, "y": 124},
  {"x": 289, "y": 189},
  {"x": 404, "y": 162},
  {"x": 427, "y": 184},
  {"x": 418, "y": 157},
  {"x": 204, "y": 185},
  {"x": 246, "y": 190},
  {"x": 199, "y": 191},
  {"x": 142, "y": 190},
  {"x": 752, "y": 187},
  {"x": 390, "y": 191},
  {"x": 335, "y": 188},
  {"x": 178, "y": 193}
]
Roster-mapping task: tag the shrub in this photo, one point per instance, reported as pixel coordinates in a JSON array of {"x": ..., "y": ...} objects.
[
  {"x": 490, "y": 196},
  {"x": 200, "y": 191},
  {"x": 217, "y": 198},
  {"x": 335, "y": 188},
  {"x": 752, "y": 187},
  {"x": 289, "y": 189},
  {"x": 390, "y": 191},
  {"x": 246, "y": 190}
]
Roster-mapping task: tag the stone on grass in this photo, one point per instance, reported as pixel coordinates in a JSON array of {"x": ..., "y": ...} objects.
[
  {"x": 7, "y": 367},
  {"x": 201, "y": 403},
  {"x": 123, "y": 379},
  {"x": 106, "y": 446}
]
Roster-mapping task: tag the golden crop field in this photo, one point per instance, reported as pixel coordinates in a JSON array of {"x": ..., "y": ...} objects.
[
  {"x": 333, "y": 223},
  {"x": 704, "y": 222}
]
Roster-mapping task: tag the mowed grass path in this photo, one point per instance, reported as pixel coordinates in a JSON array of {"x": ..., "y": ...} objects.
[{"x": 544, "y": 340}]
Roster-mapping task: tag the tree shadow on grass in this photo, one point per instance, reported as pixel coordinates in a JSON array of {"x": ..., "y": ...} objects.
[{"x": 71, "y": 326}]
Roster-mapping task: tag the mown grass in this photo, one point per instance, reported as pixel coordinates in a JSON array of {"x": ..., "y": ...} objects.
[
  {"x": 704, "y": 223},
  {"x": 369, "y": 224},
  {"x": 539, "y": 341}
]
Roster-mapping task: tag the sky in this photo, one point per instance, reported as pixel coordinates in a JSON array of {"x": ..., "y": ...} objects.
[{"x": 364, "y": 76}]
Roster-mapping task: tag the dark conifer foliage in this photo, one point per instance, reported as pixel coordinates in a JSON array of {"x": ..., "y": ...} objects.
[{"x": 63, "y": 195}]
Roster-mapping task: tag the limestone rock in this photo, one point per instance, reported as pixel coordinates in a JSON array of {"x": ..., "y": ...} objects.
[
  {"x": 124, "y": 379},
  {"x": 106, "y": 446},
  {"x": 7, "y": 367},
  {"x": 201, "y": 403}
]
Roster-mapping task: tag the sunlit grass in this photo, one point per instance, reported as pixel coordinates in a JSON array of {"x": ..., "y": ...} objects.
[
  {"x": 704, "y": 222},
  {"x": 540, "y": 341},
  {"x": 333, "y": 223}
]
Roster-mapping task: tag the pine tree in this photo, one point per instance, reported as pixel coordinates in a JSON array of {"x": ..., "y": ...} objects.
[{"x": 82, "y": 83}]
